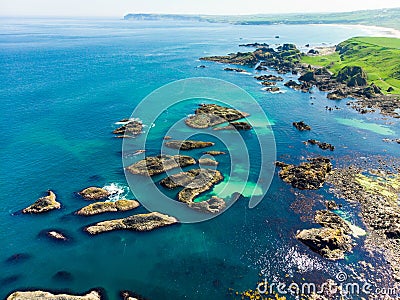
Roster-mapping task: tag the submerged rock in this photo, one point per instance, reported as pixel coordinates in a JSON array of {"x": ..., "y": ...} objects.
[
  {"x": 63, "y": 276},
  {"x": 141, "y": 222},
  {"x": 329, "y": 219},
  {"x": 301, "y": 126},
  {"x": 208, "y": 115},
  {"x": 309, "y": 175},
  {"x": 154, "y": 165},
  {"x": 102, "y": 207},
  {"x": 18, "y": 257},
  {"x": 94, "y": 193},
  {"x": 43, "y": 204},
  {"x": 187, "y": 144},
  {"x": 42, "y": 295}
]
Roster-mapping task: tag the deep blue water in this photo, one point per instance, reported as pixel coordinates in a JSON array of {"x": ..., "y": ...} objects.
[{"x": 63, "y": 85}]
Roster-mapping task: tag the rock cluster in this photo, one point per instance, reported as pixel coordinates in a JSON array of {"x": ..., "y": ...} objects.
[
  {"x": 301, "y": 126},
  {"x": 208, "y": 115},
  {"x": 43, "y": 204},
  {"x": 132, "y": 128}
]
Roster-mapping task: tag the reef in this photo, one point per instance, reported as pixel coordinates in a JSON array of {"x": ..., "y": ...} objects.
[{"x": 102, "y": 207}]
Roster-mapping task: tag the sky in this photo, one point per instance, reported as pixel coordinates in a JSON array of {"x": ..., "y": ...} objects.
[{"x": 118, "y": 8}]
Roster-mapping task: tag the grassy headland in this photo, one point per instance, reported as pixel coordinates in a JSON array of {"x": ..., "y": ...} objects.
[{"x": 378, "y": 56}]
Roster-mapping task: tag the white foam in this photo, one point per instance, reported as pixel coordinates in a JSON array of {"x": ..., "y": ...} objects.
[{"x": 117, "y": 191}]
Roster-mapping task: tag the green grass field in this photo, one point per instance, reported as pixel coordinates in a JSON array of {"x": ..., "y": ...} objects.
[{"x": 378, "y": 56}]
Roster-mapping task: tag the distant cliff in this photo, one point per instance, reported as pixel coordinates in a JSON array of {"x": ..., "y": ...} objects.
[{"x": 378, "y": 17}]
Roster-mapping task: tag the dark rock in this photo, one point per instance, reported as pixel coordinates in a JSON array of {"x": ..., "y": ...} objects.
[
  {"x": 329, "y": 219},
  {"x": 94, "y": 193},
  {"x": 301, "y": 126},
  {"x": 313, "y": 52},
  {"x": 272, "y": 89},
  {"x": 239, "y": 58},
  {"x": 338, "y": 94},
  {"x": 235, "y": 125},
  {"x": 322, "y": 145},
  {"x": 141, "y": 222},
  {"x": 308, "y": 77},
  {"x": 390, "y": 89},
  {"x": 331, "y": 205},
  {"x": 256, "y": 45},
  {"x": 352, "y": 76},
  {"x": 154, "y": 165},
  {"x": 9, "y": 280},
  {"x": 309, "y": 175},
  {"x": 268, "y": 83},
  {"x": 43, "y": 204},
  {"x": 187, "y": 144}
]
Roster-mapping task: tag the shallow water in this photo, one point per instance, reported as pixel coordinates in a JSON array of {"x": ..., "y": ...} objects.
[{"x": 64, "y": 84}]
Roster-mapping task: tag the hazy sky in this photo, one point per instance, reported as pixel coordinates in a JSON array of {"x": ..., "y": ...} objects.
[{"x": 119, "y": 8}]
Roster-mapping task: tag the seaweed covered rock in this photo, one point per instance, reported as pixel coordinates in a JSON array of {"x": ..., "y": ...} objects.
[
  {"x": 187, "y": 144},
  {"x": 141, "y": 222},
  {"x": 207, "y": 115},
  {"x": 239, "y": 58},
  {"x": 309, "y": 175},
  {"x": 102, "y": 207},
  {"x": 94, "y": 193},
  {"x": 235, "y": 125},
  {"x": 153, "y": 165},
  {"x": 43, "y": 204},
  {"x": 322, "y": 145}
]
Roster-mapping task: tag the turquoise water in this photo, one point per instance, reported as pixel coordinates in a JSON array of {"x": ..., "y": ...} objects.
[{"x": 63, "y": 85}]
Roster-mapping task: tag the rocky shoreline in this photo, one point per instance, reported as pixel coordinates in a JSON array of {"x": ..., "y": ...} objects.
[{"x": 350, "y": 82}]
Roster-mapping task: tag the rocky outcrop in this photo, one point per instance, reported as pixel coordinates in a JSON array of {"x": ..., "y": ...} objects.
[
  {"x": 154, "y": 165},
  {"x": 309, "y": 175},
  {"x": 208, "y": 115},
  {"x": 214, "y": 152},
  {"x": 235, "y": 125},
  {"x": 141, "y": 222},
  {"x": 330, "y": 243},
  {"x": 195, "y": 182},
  {"x": 42, "y": 295},
  {"x": 213, "y": 205},
  {"x": 187, "y": 144},
  {"x": 304, "y": 87},
  {"x": 102, "y": 207},
  {"x": 43, "y": 204},
  {"x": 322, "y": 145},
  {"x": 272, "y": 89},
  {"x": 94, "y": 193},
  {"x": 333, "y": 240},
  {"x": 352, "y": 76},
  {"x": 239, "y": 58},
  {"x": 268, "y": 83},
  {"x": 301, "y": 126},
  {"x": 132, "y": 128},
  {"x": 208, "y": 162},
  {"x": 128, "y": 295}
]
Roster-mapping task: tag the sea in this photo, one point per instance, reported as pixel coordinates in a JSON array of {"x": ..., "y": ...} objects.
[{"x": 65, "y": 83}]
